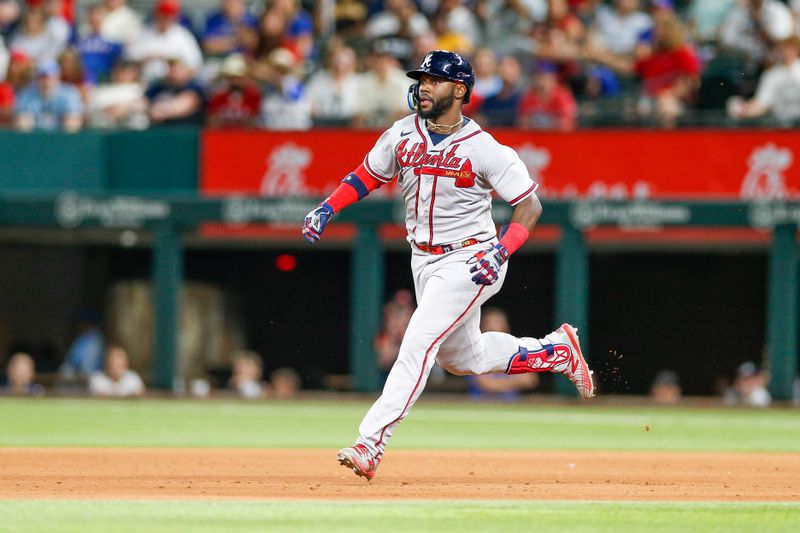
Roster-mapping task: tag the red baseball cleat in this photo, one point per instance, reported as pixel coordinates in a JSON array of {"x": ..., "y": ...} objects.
[
  {"x": 360, "y": 460},
  {"x": 577, "y": 370},
  {"x": 562, "y": 356}
]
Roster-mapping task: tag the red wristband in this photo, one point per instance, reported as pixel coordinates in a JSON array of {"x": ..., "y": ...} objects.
[
  {"x": 348, "y": 193},
  {"x": 343, "y": 196},
  {"x": 515, "y": 236}
]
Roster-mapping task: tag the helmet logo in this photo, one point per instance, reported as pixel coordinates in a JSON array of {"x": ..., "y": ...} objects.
[{"x": 426, "y": 63}]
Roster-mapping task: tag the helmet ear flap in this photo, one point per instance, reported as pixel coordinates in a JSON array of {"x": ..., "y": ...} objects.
[{"x": 413, "y": 96}]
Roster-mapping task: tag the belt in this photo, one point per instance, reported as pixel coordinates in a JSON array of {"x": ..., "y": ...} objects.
[{"x": 444, "y": 248}]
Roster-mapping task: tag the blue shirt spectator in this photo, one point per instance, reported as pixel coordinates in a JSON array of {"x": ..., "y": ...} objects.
[
  {"x": 230, "y": 29},
  {"x": 99, "y": 54},
  {"x": 85, "y": 354},
  {"x": 99, "y": 57},
  {"x": 219, "y": 25},
  {"x": 501, "y": 108},
  {"x": 48, "y": 104}
]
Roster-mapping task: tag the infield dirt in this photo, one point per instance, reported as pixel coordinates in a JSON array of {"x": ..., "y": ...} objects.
[{"x": 137, "y": 473}]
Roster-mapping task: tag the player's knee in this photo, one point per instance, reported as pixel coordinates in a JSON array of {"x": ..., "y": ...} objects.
[{"x": 458, "y": 368}]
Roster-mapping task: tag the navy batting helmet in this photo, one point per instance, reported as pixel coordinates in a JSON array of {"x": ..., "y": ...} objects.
[{"x": 444, "y": 64}]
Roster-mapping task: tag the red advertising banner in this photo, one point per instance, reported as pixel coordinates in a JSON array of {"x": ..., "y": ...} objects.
[{"x": 705, "y": 164}]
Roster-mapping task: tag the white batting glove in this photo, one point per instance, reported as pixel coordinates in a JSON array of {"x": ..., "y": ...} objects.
[{"x": 315, "y": 222}]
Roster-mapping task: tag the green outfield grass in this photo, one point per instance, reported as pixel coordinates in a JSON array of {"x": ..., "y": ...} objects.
[
  {"x": 154, "y": 423},
  {"x": 170, "y": 423},
  {"x": 460, "y": 517}
]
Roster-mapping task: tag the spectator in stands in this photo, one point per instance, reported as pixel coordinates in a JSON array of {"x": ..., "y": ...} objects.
[
  {"x": 271, "y": 29},
  {"x": 5, "y": 56},
  {"x": 547, "y": 104},
  {"x": 585, "y": 10},
  {"x": 246, "y": 378},
  {"x": 384, "y": 86},
  {"x": 501, "y": 108},
  {"x": 669, "y": 68},
  {"x": 671, "y": 71},
  {"x": 487, "y": 82},
  {"x": 507, "y": 24},
  {"x": 178, "y": 99},
  {"x": 706, "y": 17},
  {"x": 447, "y": 39},
  {"x": 499, "y": 386},
  {"x": 117, "y": 379},
  {"x": 121, "y": 102},
  {"x": 21, "y": 376},
  {"x": 20, "y": 70},
  {"x": 460, "y": 19},
  {"x": 49, "y": 104},
  {"x": 7, "y": 101},
  {"x": 350, "y": 18},
  {"x": 751, "y": 386},
  {"x": 794, "y": 5},
  {"x": 285, "y": 104},
  {"x": 334, "y": 91},
  {"x": 561, "y": 35},
  {"x": 85, "y": 354},
  {"x": 754, "y": 26},
  {"x": 121, "y": 24},
  {"x": 57, "y": 25},
  {"x": 230, "y": 29},
  {"x": 99, "y": 55},
  {"x": 235, "y": 99},
  {"x": 34, "y": 39},
  {"x": 299, "y": 33},
  {"x": 420, "y": 46},
  {"x": 163, "y": 40},
  {"x": 73, "y": 72},
  {"x": 666, "y": 388},
  {"x": 284, "y": 384},
  {"x": 778, "y": 91},
  {"x": 398, "y": 18},
  {"x": 560, "y": 40},
  {"x": 396, "y": 315},
  {"x": 9, "y": 18},
  {"x": 617, "y": 29}
]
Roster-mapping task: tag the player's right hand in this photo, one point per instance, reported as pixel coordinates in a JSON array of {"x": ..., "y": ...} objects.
[
  {"x": 486, "y": 264},
  {"x": 315, "y": 222}
]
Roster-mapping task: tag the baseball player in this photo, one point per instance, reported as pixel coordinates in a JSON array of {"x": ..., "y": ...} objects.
[{"x": 447, "y": 168}]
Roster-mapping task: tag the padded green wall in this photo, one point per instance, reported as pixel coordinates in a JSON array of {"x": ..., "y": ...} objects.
[{"x": 157, "y": 160}]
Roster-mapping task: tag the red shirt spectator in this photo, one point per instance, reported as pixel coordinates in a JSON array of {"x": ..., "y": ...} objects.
[
  {"x": 7, "y": 100},
  {"x": 236, "y": 101},
  {"x": 547, "y": 104},
  {"x": 663, "y": 69}
]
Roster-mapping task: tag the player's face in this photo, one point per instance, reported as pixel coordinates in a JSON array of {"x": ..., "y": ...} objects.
[{"x": 436, "y": 96}]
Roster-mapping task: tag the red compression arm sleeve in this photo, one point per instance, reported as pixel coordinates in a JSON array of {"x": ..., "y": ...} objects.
[
  {"x": 347, "y": 193},
  {"x": 515, "y": 236}
]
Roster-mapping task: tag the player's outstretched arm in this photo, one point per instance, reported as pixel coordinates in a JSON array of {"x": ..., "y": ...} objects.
[
  {"x": 486, "y": 264},
  {"x": 354, "y": 187}
]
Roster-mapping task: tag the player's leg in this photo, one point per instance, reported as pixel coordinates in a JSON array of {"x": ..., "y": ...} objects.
[
  {"x": 468, "y": 351},
  {"x": 449, "y": 298}
]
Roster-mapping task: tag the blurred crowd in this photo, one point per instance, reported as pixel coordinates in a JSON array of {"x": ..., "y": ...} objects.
[
  {"x": 93, "y": 366},
  {"x": 296, "y": 64}
]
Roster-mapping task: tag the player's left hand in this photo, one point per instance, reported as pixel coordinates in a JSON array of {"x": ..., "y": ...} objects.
[
  {"x": 486, "y": 264},
  {"x": 315, "y": 222}
]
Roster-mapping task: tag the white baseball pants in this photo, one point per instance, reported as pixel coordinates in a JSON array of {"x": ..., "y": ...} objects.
[{"x": 446, "y": 328}]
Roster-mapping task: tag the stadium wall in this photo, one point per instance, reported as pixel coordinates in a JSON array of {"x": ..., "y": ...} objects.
[{"x": 743, "y": 165}]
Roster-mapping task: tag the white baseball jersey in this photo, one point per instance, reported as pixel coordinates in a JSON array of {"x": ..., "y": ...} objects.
[
  {"x": 447, "y": 187},
  {"x": 447, "y": 190}
]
